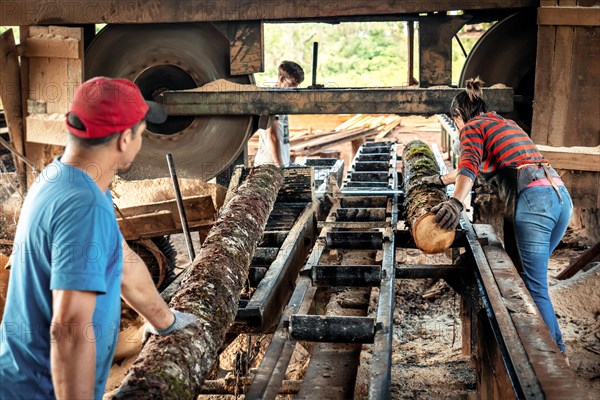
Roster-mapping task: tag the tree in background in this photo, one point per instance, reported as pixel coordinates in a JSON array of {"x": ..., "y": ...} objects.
[{"x": 352, "y": 54}]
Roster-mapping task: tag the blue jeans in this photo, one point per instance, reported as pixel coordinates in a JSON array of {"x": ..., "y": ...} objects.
[{"x": 541, "y": 221}]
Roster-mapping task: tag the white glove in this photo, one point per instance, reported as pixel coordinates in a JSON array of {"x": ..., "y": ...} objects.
[{"x": 180, "y": 321}]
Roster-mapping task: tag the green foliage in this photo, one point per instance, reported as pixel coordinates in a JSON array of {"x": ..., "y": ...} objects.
[
  {"x": 350, "y": 54},
  {"x": 357, "y": 54},
  {"x": 15, "y": 31}
]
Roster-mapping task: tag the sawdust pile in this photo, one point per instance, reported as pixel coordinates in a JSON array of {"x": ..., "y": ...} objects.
[
  {"x": 579, "y": 296},
  {"x": 146, "y": 191},
  {"x": 223, "y": 85},
  {"x": 577, "y": 305}
]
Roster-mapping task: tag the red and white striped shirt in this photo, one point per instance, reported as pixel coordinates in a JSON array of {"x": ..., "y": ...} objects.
[{"x": 489, "y": 142}]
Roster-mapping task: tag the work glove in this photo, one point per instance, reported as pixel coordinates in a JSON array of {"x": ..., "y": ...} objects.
[
  {"x": 435, "y": 180},
  {"x": 447, "y": 213},
  {"x": 181, "y": 321}
]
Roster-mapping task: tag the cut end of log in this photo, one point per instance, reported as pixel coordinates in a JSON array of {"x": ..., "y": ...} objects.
[{"x": 429, "y": 237}]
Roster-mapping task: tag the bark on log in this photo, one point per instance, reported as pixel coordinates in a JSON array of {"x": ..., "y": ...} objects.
[
  {"x": 419, "y": 162},
  {"x": 173, "y": 366}
]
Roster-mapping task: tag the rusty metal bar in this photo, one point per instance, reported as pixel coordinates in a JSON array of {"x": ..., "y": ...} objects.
[
  {"x": 330, "y": 328},
  {"x": 181, "y": 208},
  {"x": 346, "y": 275},
  {"x": 263, "y": 309},
  {"x": 421, "y": 271},
  {"x": 354, "y": 240}
]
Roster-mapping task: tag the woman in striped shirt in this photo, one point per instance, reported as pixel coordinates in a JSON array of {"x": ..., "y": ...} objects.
[{"x": 538, "y": 205}]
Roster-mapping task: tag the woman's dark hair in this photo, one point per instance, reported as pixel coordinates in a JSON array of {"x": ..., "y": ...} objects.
[{"x": 469, "y": 103}]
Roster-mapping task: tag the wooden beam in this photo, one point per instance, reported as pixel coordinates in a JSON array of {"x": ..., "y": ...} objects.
[
  {"x": 435, "y": 48},
  {"x": 584, "y": 187},
  {"x": 573, "y": 158},
  {"x": 570, "y": 16},
  {"x": 32, "y": 12},
  {"x": 47, "y": 129},
  {"x": 246, "y": 46},
  {"x": 10, "y": 96},
  {"x": 255, "y": 101},
  {"x": 586, "y": 258},
  {"x": 51, "y": 46},
  {"x": 49, "y": 78}
]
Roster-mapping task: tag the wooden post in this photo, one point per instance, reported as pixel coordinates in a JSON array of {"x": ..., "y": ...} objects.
[
  {"x": 10, "y": 93},
  {"x": 173, "y": 366}
]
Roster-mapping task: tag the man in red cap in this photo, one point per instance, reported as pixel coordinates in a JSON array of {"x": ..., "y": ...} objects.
[{"x": 71, "y": 265}]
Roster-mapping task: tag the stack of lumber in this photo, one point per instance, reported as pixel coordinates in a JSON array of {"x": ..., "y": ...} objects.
[
  {"x": 358, "y": 127},
  {"x": 308, "y": 142}
]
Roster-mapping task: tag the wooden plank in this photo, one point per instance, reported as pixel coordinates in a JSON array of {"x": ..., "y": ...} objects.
[
  {"x": 589, "y": 256},
  {"x": 551, "y": 370},
  {"x": 53, "y": 47},
  {"x": 50, "y": 80},
  {"x": 162, "y": 218},
  {"x": 47, "y": 129},
  {"x": 247, "y": 100},
  {"x": 540, "y": 127},
  {"x": 567, "y": 87},
  {"x": 32, "y": 12},
  {"x": 571, "y": 16},
  {"x": 583, "y": 118},
  {"x": 196, "y": 208},
  {"x": 583, "y": 187},
  {"x": 136, "y": 227},
  {"x": 562, "y": 71},
  {"x": 574, "y": 158}
]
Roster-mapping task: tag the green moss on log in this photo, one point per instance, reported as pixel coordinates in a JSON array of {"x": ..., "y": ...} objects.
[
  {"x": 419, "y": 162},
  {"x": 173, "y": 366}
]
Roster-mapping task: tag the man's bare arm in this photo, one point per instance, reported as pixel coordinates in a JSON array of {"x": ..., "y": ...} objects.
[
  {"x": 73, "y": 344},
  {"x": 138, "y": 290},
  {"x": 274, "y": 142}
]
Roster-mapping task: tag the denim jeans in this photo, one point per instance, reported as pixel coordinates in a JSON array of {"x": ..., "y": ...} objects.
[{"x": 541, "y": 221}]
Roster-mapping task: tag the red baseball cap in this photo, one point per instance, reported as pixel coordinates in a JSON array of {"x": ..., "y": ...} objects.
[{"x": 106, "y": 106}]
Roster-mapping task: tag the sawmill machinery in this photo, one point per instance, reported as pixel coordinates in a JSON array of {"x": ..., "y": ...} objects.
[{"x": 168, "y": 47}]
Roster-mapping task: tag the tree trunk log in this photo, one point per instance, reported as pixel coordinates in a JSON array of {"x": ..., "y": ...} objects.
[
  {"x": 173, "y": 366},
  {"x": 419, "y": 162}
]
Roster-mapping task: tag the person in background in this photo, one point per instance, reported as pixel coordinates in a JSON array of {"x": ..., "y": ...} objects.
[
  {"x": 71, "y": 265},
  {"x": 274, "y": 141},
  {"x": 538, "y": 205}
]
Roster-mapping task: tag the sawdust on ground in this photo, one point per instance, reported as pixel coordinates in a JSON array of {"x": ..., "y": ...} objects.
[{"x": 146, "y": 191}]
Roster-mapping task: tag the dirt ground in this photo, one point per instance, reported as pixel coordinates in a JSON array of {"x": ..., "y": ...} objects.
[{"x": 427, "y": 359}]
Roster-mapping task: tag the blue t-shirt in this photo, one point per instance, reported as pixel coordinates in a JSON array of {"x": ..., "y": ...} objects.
[{"x": 67, "y": 239}]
